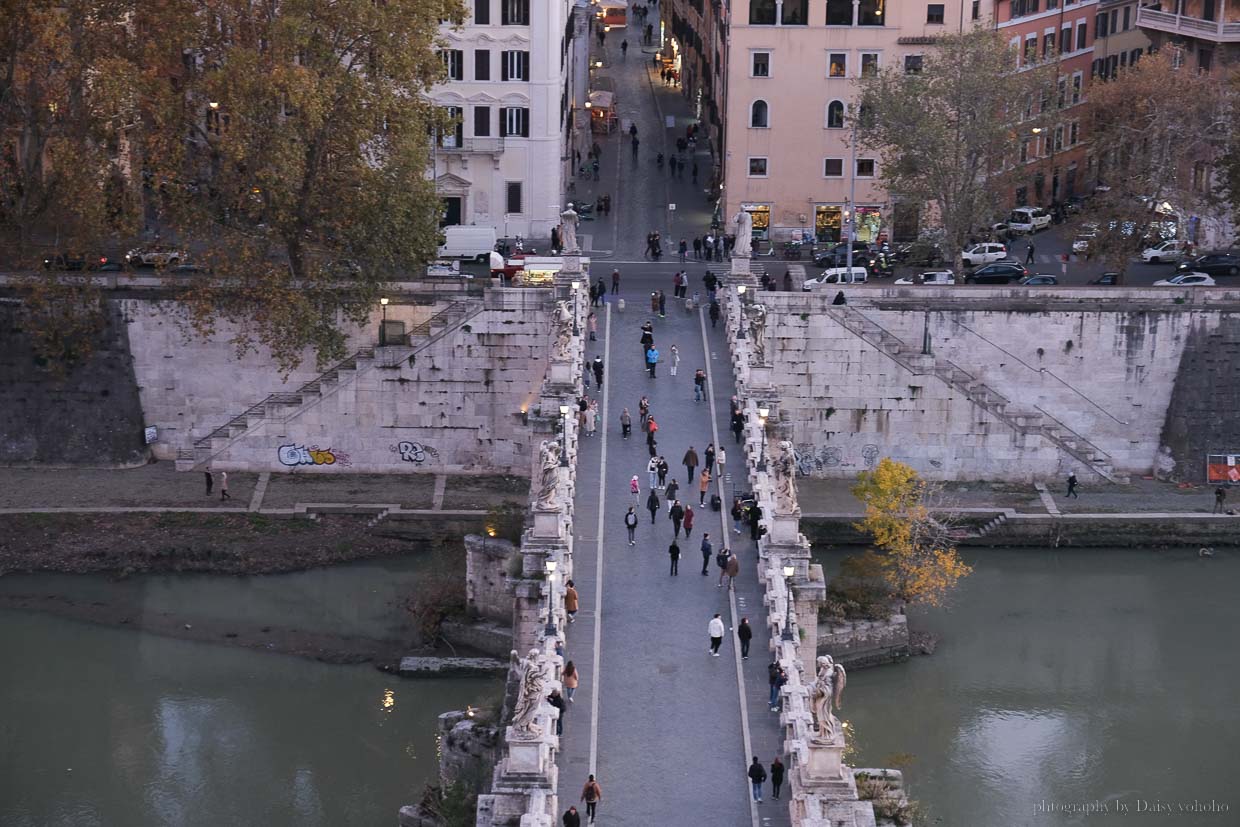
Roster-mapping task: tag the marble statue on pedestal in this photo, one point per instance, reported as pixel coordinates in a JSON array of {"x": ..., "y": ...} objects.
[
  {"x": 530, "y": 694},
  {"x": 562, "y": 325},
  {"x": 783, "y": 468},
  {"x": 828, "y": 690},
  {"x": 743, "y": 222},
  {"x": 757, "y": 331},
  {"x": 568, "y": 230},
  {"x": 549, "y": 473}
]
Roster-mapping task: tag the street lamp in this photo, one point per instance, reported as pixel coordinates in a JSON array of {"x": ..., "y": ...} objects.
[
  {"x": 576, "y": 285},
  {"x": 383, "y": 302},
  {"x": 214, "y": 104},
  {"x": 550, "y": 631},
  {"x": 564, "y": 436},
  {"x": 740, "y": 312},
  {"x": 763, "y": 413},
  {"x": 788, "y": 572}
]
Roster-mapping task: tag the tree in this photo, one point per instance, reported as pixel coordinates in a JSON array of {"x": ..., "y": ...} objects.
[
  {"x": 916, "y": 556},
  {"x": 302, "y": 185},
  {"x": 1159, "y": 127},
  {"x": 948, "y": 135}
]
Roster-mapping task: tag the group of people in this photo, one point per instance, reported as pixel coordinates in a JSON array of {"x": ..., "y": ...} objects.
[{"x": 712, "y": 246}]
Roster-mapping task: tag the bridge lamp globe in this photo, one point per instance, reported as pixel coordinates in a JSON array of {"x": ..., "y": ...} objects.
[{"x": 787, "y": 633}]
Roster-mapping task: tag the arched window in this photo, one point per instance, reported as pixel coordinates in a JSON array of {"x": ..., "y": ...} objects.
[
  {"x": 835, "y": 115},
  {"x": 759, "y": 115}
]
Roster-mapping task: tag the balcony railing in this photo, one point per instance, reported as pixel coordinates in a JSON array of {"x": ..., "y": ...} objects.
[
  {"x": 1215, "y": 30},
  {"x": 472, "y": 145}
]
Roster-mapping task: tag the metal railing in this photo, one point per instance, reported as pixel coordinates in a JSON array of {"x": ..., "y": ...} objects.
[{"x": 1217, "y": 30}]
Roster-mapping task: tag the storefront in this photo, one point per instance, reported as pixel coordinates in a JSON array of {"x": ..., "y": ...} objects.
[
  {"x": 869, "y": 224},
  {"x": 539, "y": 271},
  {"x": 761, "y": 215},
  {"x": 827, "y": 221}
]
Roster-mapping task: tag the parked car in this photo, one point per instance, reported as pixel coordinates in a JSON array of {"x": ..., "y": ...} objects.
[
  {"x": 1039, "y": 280},
  {"x": 836, "y": 275},
  {"x": 932, "y": 278},
  {"x": 837, "y": 256},
  {"x": 155, "y": 256},
  {"x": 998, "y": 272},
  {"x": 1107, "y": 280},
  {"x": 920, "y": 253},
  {"x": 1083, "y": 239},
  {"x": 984, "y": 253},
  {"x": 1186, "y": 280},
  {"x": 1167, "y": 252},
  {"x": 1029, "y": 219},
  {"x": 1212, "y": 264}
]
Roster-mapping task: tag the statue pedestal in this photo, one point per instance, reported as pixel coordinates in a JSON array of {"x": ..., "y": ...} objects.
[
  {"x": 572, "y": 265},
  {"x": 740, "y": 267},
  {"x": 561, "y": 373},
  {"x": 824, "y": 772},
  {"x": 759, "y": 377},
  {"x": 786, "y": 528},
  {"x": 529, "y": 755},
  {"x": 547, "y": 524}
]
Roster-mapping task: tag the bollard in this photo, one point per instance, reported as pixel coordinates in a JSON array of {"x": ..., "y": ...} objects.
[{"x": 619, "y": 305}]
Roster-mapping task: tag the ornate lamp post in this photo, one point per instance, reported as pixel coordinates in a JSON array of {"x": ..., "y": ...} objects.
[
  {"x": 740, "y": 312},
  {"x": 787, "y": 634},
  {"x": 383, "y": 302},
  {"x": 550, "y": 631},
  {"x": 763, "y": 413},
  {"x": 576, "y": 285},
  {"x": 564, "y": 436}
]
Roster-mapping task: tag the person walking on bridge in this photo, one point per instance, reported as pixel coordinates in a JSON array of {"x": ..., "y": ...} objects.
[
  {"x": 690, "y": 461},
  {"x": 703, "y": 486},
  {"x": 630, "y": 523},
  {"x": 715, "y": 630},
  {"x": 706, "y": 551},
  {"x": 688, "y": 520},
  {"x": 615, "y": 282},
  {"x": 757, "y": 775},
  {"x": 673, "y": 552},
  {"x": 744, "y": 633},
  {"x": 591, "y": 794},
  {"x": 676, "y": 513},
  {"x": 572, "y": 818},
  {"x": 653, "y": 505},
  {"x": 777, "y": 777}
]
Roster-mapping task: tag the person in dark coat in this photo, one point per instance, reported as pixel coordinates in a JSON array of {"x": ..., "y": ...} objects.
[
  {"x": 755, "y": 521},
  {"x": 777, "y": 777},
  {"x": 572, "y": 818},
  {"x": 676, "y": 514},
  {"x": 557, "y": 700},
  {"x": 597, "y": 365},
  {"x": 839, "y": 298},
  {"x": 690, "y": 461},
  {"x": 653, "y": 505},
  {"x": 714, "y": 313},
  {"x": 662, "y": 472},
  {"x": 744, "y": 633},
  {"x": 673, "y": 552},
  {"x": 757, "y": 775},
  {"x": 706, "y": 554}
]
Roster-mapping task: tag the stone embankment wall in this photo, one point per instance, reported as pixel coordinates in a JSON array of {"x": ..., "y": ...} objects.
[
  {"x": 860, "y": 643},
  {"x": 89, "y": 417},
  {"x": 1101, "y": 368}
]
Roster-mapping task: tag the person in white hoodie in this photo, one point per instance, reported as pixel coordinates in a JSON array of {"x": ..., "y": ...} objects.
[{"x": 716, "y": 630}]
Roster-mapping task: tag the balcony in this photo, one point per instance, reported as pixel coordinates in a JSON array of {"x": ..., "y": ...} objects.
[
  {"x": 472, "y": 146},
  {"x": 1218, "y": 31}
]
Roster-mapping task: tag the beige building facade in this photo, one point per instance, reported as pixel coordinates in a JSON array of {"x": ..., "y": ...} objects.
[{"x": 792, "y": 68}]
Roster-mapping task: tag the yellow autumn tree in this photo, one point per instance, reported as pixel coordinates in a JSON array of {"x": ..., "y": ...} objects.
[{"x": 916, "y": 557}]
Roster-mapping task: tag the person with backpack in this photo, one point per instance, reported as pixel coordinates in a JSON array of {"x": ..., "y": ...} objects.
[
  {"x": 630, "y": 523},
  {"x": 714, "y": 313},
  {"x": 703, "y": 486},
  {"x": 706, "y": 552},
  {"x": 591, "y": 794},
  {"x": 690, "y": 462},
  {"x": 776, "y": 677},
  {"x": 721, "y": 560},
  {"x": 652, "y": 361},
  {"x": 757, "y": 775},
  {"x": 699, "y": 385}
]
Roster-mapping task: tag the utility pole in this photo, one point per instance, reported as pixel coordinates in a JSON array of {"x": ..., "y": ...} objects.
[{"x": 852, "y": 194}]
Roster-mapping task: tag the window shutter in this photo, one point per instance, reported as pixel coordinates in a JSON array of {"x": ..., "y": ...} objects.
[
  {"x": 482, "y": 64},
  {"x": 503, "y": 122},
  {"x": 525, "y": 66},
  {"x": 525, "y": 123},
  {"x": 503, "y": 65}
]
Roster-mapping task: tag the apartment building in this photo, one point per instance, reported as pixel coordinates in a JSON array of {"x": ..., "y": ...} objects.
[
  {"x": 696, "y": 42},
  {"x": 511, "y": 90},
  {"x": 790, "y": 76},
  {"x": 1118, "y": 40},
  {"x": 1207, "y": 32},
  {"x": 1054, "y": 162}
]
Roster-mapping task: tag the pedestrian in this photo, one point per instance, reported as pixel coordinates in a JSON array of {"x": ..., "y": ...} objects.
[
  {"x": 673, "y": 552},
  {"x": 571, "y": 601},
  {"x": 755, "y": 522},
  {"x": 592, "y": 417},
  {"x": 715, "y": 630},
  {"x": 570, "y": 679},
  {"x": 572, "y": 818},
  {"x": 585, "y": 381},
  {"x": 1072, "y": 486},
  {"x": 634, "y": 489},
  {"x": 592, "y": 321},
  {"x": 714, "y": 313},
  {"x": 670, "y": 491},
  {"x": 626, "y": 423},
  {"x": 662, "y": 472},
  {"x": 591, "y": 794},
  {"x": 615, "y": 282},
  {"x": 723, "y": 459},
  {"x": 675, "y": 358},
  {"x": 643, "y": 408},
  {"x": 647, "y": 339},
  {"x": 593, "y": 295},
  {"x": 787, "y": 288},
  {"x": 721, "y": 562},
  {"x": 662, "y": 305},
  {"x": 738, "y": 425},
  {"x": 671, "y": 167},
  {"x": 776, "y": 677},
  {"x": 839, "y": 299},
  {"x": 757, "y": 775},
  {"x": 624, "y": 49},
  {"x": 703, "y": 486},
  {"x": 719, "y": 248},
  {"x": 744, "y": 633},
  {"x": 654, "y": 302},
  {"x": 583, "y": 405},
  {"x": 602, "y": 290},
  {"x": 224, "y": 495},
  {"x": 683, "y": 249},
  {"x": 733, "y": 569},
  {"x": 652, "y": 468},
  {"x": 708, "y": 245},
  {"x": 697, "y": 240},
  {"x": 210, "y": 480},
  {"x": 699, "y": 385},
  {"x": 652, "y": 361},
  {"x": 706, "y": 553},
  {"x": 738, "y": 513},
  {"x": 690, "y": 462},
  {"x": 1220, "y": 497},
  {"x": 557, "y": 700},
  {"x": 653, "y": 505},
  {"x": 710, "y": 456},
  {"x": 777, "y": 777},
  {"x": 677, "y": 515},
  {"x": 630, "y": 523},
  {"x": 1029, "y": 252},
  {"x": 597, "y": 365}
]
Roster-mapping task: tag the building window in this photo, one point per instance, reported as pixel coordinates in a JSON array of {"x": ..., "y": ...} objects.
[
  {"x": 1063, "y": 92},
  {"x": 761, "y": 64},
  {"x": 1077, "y": 80},
  {"x": 1136, "y": 55},
  {"x": 513, "y": 198},
  {"x": 869, "y": 64},
  {"x": 453, "y": 135},
  {"x": 482, "y": 12},
  {"x": 1058, "y": 138},
  {"x": 514, "y": 122},
  {"x": 1205, "y": 59},
  {"x": 837, "y": 65},
  {"x": 912, "y": 64},
  {"x": 1048, "y": 43},
  {"x": 865, "y": 167},
  {"x": 762, "y": 12},
  {"x": 871, "y": 12},
  {"x": 1127, "y": 18},
  {"x": 759, "y": 115},
  {"x": 833, "y": 168},
  {"x": 757, "y": 167},
  {"x": 795, "y": 13},
  {"x": 453, "y": 63},
  {"x": 515, "y": 12},
  {"x": 1082, "y": 35},
  {"x": 1100, "y": 25},
  {"x": 977, "y": 9},
  {"x": 482, "y": 64},
  {"x": 1052, "y": 5},
  {"x": 835, "y": 115},
  {"x": 934, "y": 13},
  {"x": 1024, "y": 150},
  {"x": 514, "y": 65},
  {"x": 1065, "y": 40},
  {"x": 1031, "y": 49},
  {"x": 1074, "y": 133},
  {"x": 839, "y": 12},
  {"x": 482, "y": 121}
]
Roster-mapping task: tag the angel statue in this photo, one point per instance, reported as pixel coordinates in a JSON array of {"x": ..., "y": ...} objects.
[
  {"x": 549, "y": 472},
  {"x": 828, "y": 690},
  {"x": 743, "y": 247},
  {"x": 784, "y": 471},
  {"x": 530, "y": 694},
  {"x": 757, "y": 331},
  {"x": 568, "y": 230},
  {"x": 562, "y": 326}
]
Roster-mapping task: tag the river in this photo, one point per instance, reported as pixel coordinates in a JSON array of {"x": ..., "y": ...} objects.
[
  {"x": 108, "y": 726},
  {"x": 1066, "y": 678}
]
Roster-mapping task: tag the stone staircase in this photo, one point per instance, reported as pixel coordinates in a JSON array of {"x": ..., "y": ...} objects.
[
  {"x": 1027, "y": 423},
  {"x": 286, "y": 406}
]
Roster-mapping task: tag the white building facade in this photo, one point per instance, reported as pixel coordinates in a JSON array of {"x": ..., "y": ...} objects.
[{"x": 510, "y": 88}]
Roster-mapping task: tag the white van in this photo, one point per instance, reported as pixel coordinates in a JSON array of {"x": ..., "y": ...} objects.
[
  {"x": 837, "y": 275},
  {"x": 466, "y": 241},
  {"x": 1028, "y": 220}
]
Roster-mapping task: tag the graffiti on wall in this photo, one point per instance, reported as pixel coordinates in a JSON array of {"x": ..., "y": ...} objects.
[
  {"x": 414, "y": 452},
  {"x": 294, "y": 455}
]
